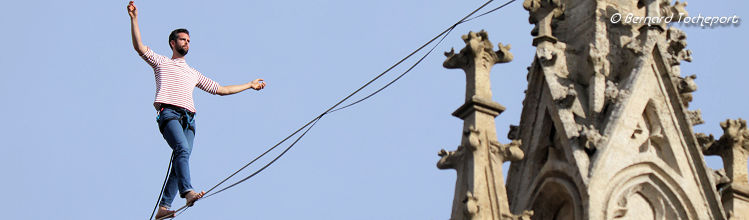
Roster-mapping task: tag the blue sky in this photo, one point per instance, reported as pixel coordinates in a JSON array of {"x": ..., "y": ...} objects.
[{"x": 79, "y": 138}]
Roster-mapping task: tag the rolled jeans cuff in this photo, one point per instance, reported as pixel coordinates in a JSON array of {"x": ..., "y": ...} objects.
[{"x": 183, "y": 194}]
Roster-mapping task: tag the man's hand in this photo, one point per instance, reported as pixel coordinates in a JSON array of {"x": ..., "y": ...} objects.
[
  {"x": 132, "y": 10},
  {"x": 257, "y": 84}
]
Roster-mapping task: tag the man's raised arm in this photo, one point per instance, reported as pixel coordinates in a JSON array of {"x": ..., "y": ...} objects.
[{"x": 134, "y": 29}]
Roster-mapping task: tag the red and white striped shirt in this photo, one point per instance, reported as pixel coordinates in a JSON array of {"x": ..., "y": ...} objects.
[{"x": 175, "y": 81}]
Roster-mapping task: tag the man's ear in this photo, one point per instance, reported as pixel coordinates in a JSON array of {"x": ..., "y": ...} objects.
[{"x": 171, "y": 44}]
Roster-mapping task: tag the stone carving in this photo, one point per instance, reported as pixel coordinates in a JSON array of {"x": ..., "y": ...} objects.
[
  {"x": 478, "y": 46},
  {"x": 472, "y": 141},
  {"x": 686, "y": 87},
  {"x": 687, "y": 84},
  {"x": 677, "y": 41},
  {"x": 674, "y": 12},
  {"x": 733, "y": 147},
  {"x": 611, "y": 92},
  {"x": 720, "y": 178},
  {"x": 695, "y": 117},
  {"x": 542, "y": 13},
  {"x": 646, "y": 202},
  {"x": 567, "y": 100},
  {"x": 662, "y": 8},
  {"x": 448, "y": 158},
  {"x": 645, "y": 191},
  {"x": 527, "y": 214},
  {"x": 509, "y": 151},
  {"x": 471, "y": 205},
  {"x": 479, "y": 190},
  {"x": 590, "y": 137},
  {"x": 676, "y": 53},
  {"x": 599, "y": 136},
  {"x": 546, "y": 54},
  {"x": 476, "y": 59},
  {"x": 706, "y": 141}
]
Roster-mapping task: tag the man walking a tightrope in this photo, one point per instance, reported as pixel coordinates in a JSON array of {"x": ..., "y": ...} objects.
[{"x": 175, "y": 82}]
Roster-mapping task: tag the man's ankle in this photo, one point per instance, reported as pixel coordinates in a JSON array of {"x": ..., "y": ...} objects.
[{"x": 184, "y": 195}]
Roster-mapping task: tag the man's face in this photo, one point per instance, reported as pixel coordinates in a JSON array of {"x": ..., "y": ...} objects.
[{"x": 182, "y": 43}]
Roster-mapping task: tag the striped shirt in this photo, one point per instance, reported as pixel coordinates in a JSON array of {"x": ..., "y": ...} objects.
[{"x": 175, "y": 81}]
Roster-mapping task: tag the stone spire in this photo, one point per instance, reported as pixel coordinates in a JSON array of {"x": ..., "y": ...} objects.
[
  {"x": 605, "y": 126},
  {"x": 479, "y": 190}
]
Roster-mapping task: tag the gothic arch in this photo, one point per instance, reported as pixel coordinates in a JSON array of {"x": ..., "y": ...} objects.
[
  {"x": 557, "y": 197},
  {"x": 645, "y": 191}
]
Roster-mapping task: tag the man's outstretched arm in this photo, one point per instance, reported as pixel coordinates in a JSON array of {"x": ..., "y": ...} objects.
[
  {"x": 257, "y": 84},
  {"x": 134, "y": 29}
]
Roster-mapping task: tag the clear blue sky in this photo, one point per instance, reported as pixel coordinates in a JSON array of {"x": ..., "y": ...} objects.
[{"x": 79, "y": 140}]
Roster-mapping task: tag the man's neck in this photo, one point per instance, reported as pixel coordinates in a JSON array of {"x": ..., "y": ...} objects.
[{"x": 177, "y": 56}]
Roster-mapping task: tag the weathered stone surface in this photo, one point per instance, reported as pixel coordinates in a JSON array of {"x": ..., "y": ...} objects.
[
  {"x": 605, "y": 131},
  {"x": 542, "y": 14},
  {"x": 733, "y": 148},
  {"x": 479, "y": 189},
  {"x": 605, "y": 126}
]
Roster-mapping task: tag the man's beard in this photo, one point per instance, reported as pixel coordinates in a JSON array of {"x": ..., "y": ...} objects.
[{"x": 182, "y": 51}]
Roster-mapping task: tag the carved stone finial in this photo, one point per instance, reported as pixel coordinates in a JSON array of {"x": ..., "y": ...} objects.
[
  {"x": 542, "y": 12},
  {"x": 477, "y": 46},
  {"x": 733, "y": 147},
  {"x": 476, "y": 59},
  {"x": 736, "y": 132}
]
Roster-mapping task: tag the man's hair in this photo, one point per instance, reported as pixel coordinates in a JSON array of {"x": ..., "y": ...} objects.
[{"x": 173, "y": 35}]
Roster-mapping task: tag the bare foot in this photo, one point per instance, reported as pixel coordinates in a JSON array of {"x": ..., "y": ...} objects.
[
  {"x": 164, "y": 213},
  {"x": 192, "y": 196}
]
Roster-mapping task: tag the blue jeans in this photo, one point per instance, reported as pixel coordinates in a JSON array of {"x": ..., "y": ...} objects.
[{"x": 177, "y": 125}]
